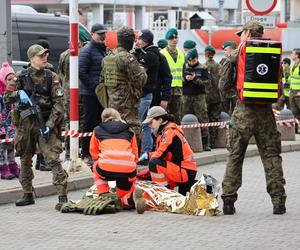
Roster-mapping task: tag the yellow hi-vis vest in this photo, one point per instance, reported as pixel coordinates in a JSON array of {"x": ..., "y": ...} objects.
[
  {"x": 286, "y": 90},
  {"x": 295, "y": 77},
  {"x": 258, "y": 77},
  {"x": 176, "y": 68}
]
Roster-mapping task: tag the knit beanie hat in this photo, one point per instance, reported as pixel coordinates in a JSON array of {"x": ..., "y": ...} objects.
[{"x": 5, "y": 71}]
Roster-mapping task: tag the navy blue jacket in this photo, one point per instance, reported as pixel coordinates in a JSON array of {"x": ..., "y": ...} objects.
[{"x": 90, "y": 65}]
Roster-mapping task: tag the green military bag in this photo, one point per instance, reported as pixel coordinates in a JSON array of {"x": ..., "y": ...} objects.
[{"x": 101, "y": 94}]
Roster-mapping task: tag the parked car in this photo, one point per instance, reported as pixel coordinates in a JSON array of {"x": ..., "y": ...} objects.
[{"x": 29, "y": 26}]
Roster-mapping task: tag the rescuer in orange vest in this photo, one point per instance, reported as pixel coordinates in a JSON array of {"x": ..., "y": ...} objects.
[
  {"x": 171, "y": 164},
  {"x": 114, "y": 149}
]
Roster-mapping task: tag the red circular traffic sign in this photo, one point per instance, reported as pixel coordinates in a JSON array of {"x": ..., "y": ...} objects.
[{"x": 261, "y": 7}]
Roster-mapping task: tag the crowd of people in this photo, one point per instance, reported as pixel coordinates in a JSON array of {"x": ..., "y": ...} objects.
[{"x": 133, "y": 99}]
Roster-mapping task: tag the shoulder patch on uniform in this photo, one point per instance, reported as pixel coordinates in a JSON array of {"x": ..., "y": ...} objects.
[{"x": 59, "y": 92}]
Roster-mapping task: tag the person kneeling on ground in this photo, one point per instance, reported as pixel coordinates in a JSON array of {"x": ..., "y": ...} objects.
[
  {"x": 114, "y": 149},
  {"x": 171, "y": 164}
]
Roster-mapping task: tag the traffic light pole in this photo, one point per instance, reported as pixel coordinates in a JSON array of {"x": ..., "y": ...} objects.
[{"x": 5, "y": 32}]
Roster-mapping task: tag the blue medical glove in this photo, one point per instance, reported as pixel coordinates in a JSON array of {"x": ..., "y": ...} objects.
[
  {"x": 24, "y": 98},
  {"x": 45, "y": 133},
  {"x": 144, "y": 156}
]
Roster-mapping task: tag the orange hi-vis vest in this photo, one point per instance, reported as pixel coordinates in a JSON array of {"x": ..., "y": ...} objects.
[
  {"x": 172, "y": 146},
  {"x": 114, "y": 152},
  {"x": 259, "y": 74}
]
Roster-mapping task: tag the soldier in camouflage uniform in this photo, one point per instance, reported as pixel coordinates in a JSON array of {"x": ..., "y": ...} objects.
[
  {"x": 124, "y": 79},
  {"x": 227, "y": 79},
  {"x": 258, "y": 120},
  {"x": 196, "y": 80},
  {"x": 213, "y": 98},
  {"x": 64, "y": 74},
  {"x": 44, "y": 87}
]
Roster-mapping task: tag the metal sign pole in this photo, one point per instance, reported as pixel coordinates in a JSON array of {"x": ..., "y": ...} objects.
[{"x": 5, "y": 32}]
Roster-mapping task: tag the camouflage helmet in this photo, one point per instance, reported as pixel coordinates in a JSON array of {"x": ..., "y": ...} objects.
[
  {"x": 35, "y": 50},
  {"x": 126, "y": 37}
]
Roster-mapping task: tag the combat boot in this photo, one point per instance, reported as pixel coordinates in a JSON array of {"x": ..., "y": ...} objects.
[
  {"x": 228, "y": 207},
  {"x": 27, "y": 199},
  {"x": 205, "y": 143},
  {"x": 279, "y": 209},
  {"x": 139, "y": 201},
  {"x": 61, "y": 200},
  {"x": 43, "y": 166}
]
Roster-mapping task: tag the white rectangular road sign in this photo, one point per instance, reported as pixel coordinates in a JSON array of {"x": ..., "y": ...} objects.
[{"x": 268, "y": 21}]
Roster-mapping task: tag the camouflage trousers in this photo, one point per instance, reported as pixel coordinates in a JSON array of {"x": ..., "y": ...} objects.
[
  {"x": 213, "y": 111},
  {"x": 132, "y": 119},
  {"x": 248, "y": 121},
  {"x": 228, "y": 105},
  {"x": 295, "y": 103},
  {"x": 175, "y": 107},
  {"x": 283, "y": 100},
  {"x": 196, "y": 105},
  {"x": 27, "y": 138}
]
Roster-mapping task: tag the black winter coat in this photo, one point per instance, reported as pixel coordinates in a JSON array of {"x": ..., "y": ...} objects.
[{"x": 90, "y": 65}]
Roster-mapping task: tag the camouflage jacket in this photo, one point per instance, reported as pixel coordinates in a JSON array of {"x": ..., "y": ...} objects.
[
  {"x": 213, "y": 94},
  {"x": 49, "y": 98},
  {"x": 227, "y": 82},
  {"x": 124, "y": 79}
]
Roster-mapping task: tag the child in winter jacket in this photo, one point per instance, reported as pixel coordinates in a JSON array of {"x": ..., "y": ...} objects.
[{"x": 9, "y": 169}]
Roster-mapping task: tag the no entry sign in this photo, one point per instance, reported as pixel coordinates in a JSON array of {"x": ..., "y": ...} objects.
[{"x": 261, "y": 7}]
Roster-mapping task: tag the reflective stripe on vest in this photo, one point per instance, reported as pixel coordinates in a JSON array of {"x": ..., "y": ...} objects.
[
  {"x": 295, "y": 77},
  {"x": 176, "y": 68},
  {"x": 117, "y": 161},
  {"x": 263, "y": 50}
]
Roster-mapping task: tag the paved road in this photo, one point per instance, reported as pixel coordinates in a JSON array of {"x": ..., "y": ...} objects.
[{"x": 253, "y": 227}]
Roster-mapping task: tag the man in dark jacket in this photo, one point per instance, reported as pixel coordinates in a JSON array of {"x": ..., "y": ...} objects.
[
  {"x": 90, "y": 60},
  {"x": 148, "y": 56}
]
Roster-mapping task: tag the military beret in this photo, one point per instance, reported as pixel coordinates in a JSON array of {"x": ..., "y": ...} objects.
[
  {"x": 193, "y": 53},
  {"x": 253, "y": 26},
  {"x": 84, "y": 35},
  {"x": 230, "y": 43},
  {"x": 171, "y": 33},
  {"x": 189, "y": 44},
  {"x": 210, "y": 49},
  {"x": 296, "y": 49},
  {"x": 162, "y": 43}
]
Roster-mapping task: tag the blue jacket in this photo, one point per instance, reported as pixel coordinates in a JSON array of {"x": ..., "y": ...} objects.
[{"x": 90, "y": 61}]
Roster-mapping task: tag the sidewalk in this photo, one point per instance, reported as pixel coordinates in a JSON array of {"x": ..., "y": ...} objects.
[{"x": 10, "y": 190}]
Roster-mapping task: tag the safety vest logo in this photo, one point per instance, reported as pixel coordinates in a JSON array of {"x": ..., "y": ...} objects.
[{"x": 262, "y": 69}]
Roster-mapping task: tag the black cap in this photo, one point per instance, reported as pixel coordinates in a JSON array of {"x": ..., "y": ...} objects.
[
  {"x": 146, "y": 35},
  {"x": 98, "y": 28}
]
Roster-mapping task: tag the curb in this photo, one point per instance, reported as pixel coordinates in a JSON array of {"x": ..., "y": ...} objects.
[{"x": 85, "y": 180}]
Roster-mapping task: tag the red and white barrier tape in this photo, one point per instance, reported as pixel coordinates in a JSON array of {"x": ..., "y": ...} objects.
[{"x": 73, "y": 133}]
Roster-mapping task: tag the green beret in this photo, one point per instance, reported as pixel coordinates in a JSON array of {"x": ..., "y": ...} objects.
[
  {"x": 193, "y": 53},
  {"x": 296, "y": 49},
  {"x": 162, "y": 43},
  {"x": 171, "y": 33},
  {"x": 230, "y": 43},
  {"x": 84, "y": 35},
  {"x": 210, "y": 49},
  {"x": 189, "y": 44}
]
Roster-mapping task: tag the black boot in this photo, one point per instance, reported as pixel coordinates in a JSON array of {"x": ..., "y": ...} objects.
[
  {"x": 279, "y": 209},
  {"x": 38, "y": 161},
  {"x": 26, "y": 200},
  {"x": 228, "y": 206},
  {"x": 205, "y": 143},
  {"x": 61, "y": 200},
  {"x": 43, "y": 165}
]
